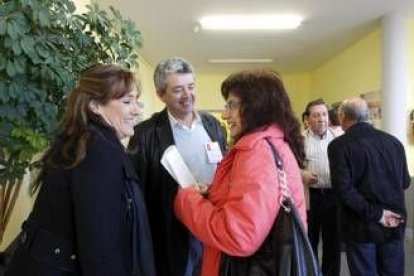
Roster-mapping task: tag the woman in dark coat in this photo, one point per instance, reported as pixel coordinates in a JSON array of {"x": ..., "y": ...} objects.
[{"x": 89, "y": 217}]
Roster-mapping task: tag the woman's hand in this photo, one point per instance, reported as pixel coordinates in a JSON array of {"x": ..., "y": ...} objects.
[{"x": 201, "y": 188}]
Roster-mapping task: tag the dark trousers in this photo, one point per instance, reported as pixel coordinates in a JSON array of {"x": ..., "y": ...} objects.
[
  {"x": 194, "y": 257},
  {"x": 323, "y": 222},
  {"x": 384, "y": 259}
]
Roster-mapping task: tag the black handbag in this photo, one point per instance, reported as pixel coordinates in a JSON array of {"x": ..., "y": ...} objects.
[
  {"x": 286, "y": 250},
  {"x": 8, "y": 253}
]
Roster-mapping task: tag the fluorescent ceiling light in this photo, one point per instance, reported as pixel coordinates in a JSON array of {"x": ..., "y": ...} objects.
[
  {"x": 250, "y": 22},
  {"x": 241, "y": 60}
]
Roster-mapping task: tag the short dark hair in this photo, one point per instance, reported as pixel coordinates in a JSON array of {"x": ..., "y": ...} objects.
[
  {"x": 304, "y": 116},
  {"x": 312, "y": 104}
]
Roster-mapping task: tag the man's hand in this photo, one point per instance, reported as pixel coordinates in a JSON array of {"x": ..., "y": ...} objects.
[
  {"x": 390, "y": 219},
  {"x": 309, "y": 178}
]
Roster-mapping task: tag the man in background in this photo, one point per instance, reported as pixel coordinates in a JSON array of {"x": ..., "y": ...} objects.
[
  {"x": 334, "y": 120},
  {"x": 323, "y": 202},
  {"x": 369, "y": 172},
  {"x": 177, "y": 252}
]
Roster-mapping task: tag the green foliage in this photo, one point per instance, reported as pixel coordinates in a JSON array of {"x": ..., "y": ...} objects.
[{"x": 44, "y": 47}]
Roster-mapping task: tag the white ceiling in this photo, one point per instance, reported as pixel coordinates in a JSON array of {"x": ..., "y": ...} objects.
[{"x": 167, "y": 28}]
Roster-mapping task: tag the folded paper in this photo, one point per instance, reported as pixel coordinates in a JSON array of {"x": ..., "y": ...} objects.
[{"x": 175, "y": 165}]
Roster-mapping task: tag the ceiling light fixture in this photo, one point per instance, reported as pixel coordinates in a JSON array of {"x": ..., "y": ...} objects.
[
  {"x": 250, "y": 22},
  {"x": 241, "y": 60}
]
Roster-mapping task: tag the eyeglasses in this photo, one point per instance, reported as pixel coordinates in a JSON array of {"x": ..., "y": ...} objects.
[{"x": 232, "y": 105}]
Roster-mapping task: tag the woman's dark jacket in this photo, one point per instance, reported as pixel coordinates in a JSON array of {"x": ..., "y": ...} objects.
[
  {"x": 170, "y": 237},
  {"x": 83, "y": 218}
]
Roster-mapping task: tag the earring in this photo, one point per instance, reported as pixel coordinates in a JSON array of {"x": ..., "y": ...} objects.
[
  {"x": 96, "y": 111},
  {"x": 94, "y": 108}
]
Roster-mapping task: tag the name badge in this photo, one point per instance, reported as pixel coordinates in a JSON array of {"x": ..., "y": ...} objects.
[{"x": 213, "y": 152}]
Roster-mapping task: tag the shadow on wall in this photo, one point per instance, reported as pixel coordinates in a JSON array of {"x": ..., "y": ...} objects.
[{"x": 409, "y": 202}]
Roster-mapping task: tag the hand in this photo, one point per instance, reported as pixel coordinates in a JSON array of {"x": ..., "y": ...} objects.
[
  {"x": 201, "y": 188},
  {"x": 309, "y": 178},
  {"x": 390, "y": 219}
]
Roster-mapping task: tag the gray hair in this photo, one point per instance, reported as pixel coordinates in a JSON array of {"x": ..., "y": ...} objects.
[
  {"x": 170, "y": 66},
  {"x": 355, "y": 109}
]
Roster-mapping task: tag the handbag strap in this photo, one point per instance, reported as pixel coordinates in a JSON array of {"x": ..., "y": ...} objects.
[{"x": 285, "y": 194}]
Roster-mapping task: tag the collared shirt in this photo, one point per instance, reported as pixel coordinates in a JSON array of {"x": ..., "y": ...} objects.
[
  {"x": 190, "y": 143},
  {"x": 176, "y": 123},
  {"x": 316, "y": 149}
]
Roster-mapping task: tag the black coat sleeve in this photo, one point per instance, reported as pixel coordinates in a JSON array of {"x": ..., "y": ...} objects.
[
  {"x": 215, "y": 130},
  {"x": 137, "y": 151},
  {"x": 344, "y": 183}
]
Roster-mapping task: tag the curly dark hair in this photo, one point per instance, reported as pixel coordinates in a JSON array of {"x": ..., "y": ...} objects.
[{"x": 264, "y": 101}]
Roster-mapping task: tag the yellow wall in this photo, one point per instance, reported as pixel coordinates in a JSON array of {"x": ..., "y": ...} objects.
[
  {"x": 148, "y": 95},
  {"x": 355, "y": 70},
  {"x": 80, "y": 5},
  {"x": 209, "y": 94},
  {"x": 22, "y": 209},
  {"x": 208, "y": 90},
  {"x": 298, "y": 86},
  {"x": 410, "y": 99}
]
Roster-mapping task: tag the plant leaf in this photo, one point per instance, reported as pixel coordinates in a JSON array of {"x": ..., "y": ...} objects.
[{"x": 45, "y": 47}]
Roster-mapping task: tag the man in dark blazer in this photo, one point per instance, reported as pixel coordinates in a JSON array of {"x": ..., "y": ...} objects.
[
  {"x": 369, "y": 172},
  {"x": 177, "y": 252}
]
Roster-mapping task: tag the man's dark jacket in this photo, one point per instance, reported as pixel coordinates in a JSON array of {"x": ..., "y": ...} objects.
[
  {"x": 369, "y": 172},
  {"x": 170, "y": 237}
]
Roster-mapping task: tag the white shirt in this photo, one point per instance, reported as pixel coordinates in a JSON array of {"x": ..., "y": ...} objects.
[
  {"x": 191, "y": 144},
  {"x": 174, "y": 122},
  {"x": 316, "y": 150}
]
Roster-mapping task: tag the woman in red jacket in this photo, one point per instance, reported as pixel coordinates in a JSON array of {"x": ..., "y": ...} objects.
[{"x": 242, "y": 203}]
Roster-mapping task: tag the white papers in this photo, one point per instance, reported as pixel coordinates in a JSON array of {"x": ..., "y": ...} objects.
[
  {"x": 175, "y": 165},
  {"x": 213, "y": 152}
]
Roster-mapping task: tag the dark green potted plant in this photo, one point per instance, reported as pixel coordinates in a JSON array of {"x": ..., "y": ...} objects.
[{"x": 44, "y": 47}]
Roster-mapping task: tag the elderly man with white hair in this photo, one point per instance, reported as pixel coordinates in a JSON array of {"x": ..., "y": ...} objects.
[{"x": 369, "y": 172}]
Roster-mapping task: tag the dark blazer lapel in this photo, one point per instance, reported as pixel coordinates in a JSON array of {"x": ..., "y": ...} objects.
[
  {"x": 164, "y": 131},
  {"x": 213, "y": 130},
  {"x": 209, "y": 128}
]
